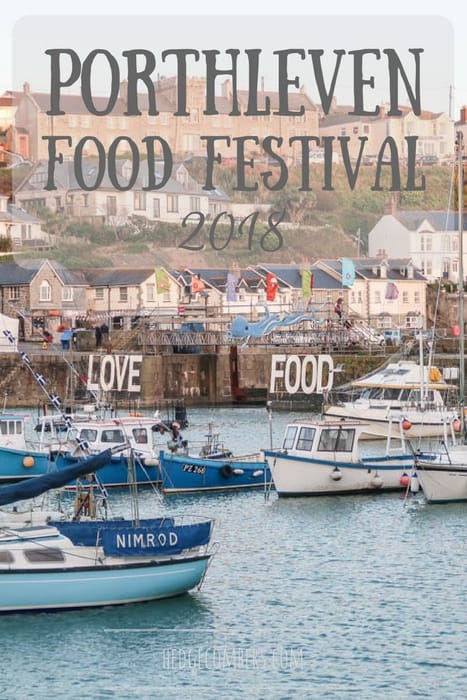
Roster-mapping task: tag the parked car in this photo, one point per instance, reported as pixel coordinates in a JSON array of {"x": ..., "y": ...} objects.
[{"x": 427, "y": 160}]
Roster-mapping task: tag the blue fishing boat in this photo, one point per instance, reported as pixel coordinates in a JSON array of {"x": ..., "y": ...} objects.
[
  {"x": 181, "y": 473},
  {"x": 139, "y": 435},
  {"x": 18, "y": 458},
  {"x": 64, "y": 441},
  {"x": 93, "y": 563}
]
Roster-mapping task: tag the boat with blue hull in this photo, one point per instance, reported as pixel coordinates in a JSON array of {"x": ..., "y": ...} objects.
[
  {"x": 18, "y": 459},
  {"x": 182, "y": 473},
  {"x": 89, "y": 563},
  {"x": 324, "y": 458},
  {"x": 58, "y": 446}
]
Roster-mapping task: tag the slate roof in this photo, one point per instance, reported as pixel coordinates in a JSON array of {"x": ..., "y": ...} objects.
[
  {"x": 14, "y": 275},
  {"x": 15, "y": 214},
  {"x": 110, "y": 277},
  {"x": 365, "y": 268},
  {"x": 439, "y": 220},
  {"x": 64, "y": 178}
]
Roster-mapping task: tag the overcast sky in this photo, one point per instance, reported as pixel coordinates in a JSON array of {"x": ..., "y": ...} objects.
[{"x": 444, "y": 63}]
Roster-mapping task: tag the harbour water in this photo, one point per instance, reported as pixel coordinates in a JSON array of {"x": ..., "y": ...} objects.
[{"x": 332, "y": 597}]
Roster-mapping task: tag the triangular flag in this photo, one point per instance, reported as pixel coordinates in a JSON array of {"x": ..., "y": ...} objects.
[
  {"x": 197, "y": 285},
  {"x": 272, "y": 286},
  {"x": 391, "y": 291},
  {"x": 348, "y": 272},
  {"x": 307, "y": 283},
  {"x": 162, "y": 281}
]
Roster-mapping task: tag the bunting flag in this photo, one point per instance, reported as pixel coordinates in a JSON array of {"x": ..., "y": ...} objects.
[
  {"x": 348, "y": 272},
  {"x": 197, "y": 285},
  {"x": 307, "y": 283},
  {"x": 231, "y": 289},
  {"x": 272, "y": 286},
  {"x": 391, "y": 291},
  {"x": 162, "y": 280}
]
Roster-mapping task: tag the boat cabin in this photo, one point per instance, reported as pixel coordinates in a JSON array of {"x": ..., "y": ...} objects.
[
  {"x": 12, "y": 433},
  {"x": 141, "y": 434},
  {"x": 318, "y": 438}
]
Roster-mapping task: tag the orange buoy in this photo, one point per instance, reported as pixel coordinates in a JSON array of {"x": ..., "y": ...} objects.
[
  {"x": 456, "y": 424},
  {"x": 404, "y": 480},
  {"x": 406, "y": 424},
  {"x": 28, "y": 462}
]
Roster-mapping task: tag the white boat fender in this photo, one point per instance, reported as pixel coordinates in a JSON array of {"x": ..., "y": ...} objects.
[
  {"x": 336, "y": 474},
  {"x": 257, "y": 472},
  {"x": 151, "y": 462},
  {"x": 238, "y": 471},
  {"x": 376, "y": 481},
  {"x": 226, "y": 471},
  {"x": 414, "y": 483}
]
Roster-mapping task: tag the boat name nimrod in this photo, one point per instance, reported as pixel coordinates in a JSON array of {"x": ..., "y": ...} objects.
[
  {"x": 296, "y": 373},
  {"x": 146, "y": 540}
]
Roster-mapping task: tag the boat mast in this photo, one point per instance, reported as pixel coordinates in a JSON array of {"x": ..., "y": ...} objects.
[{"x": 460, "y": 216}]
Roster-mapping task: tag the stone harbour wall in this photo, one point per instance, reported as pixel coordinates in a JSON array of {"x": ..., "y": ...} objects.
[{"x": 230, "y": 376}]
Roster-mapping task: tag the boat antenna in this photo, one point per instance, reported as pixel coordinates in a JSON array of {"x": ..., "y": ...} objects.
[{"x": 460, "y": 216}]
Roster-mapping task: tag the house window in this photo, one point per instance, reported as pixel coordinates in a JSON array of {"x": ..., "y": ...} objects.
[
  {"x": 99, "y": 293},
  {"x": 416, "y": 297},
  {"x": 123, "y": 293},
  {"x": 405, "y": 297},
  {"x": 67, "y": 293},
  {"x": 156, "y": 208},
  {"x": 13, "y": 293},
  {"x": 139, "y": 200},
  {"x": 111, "y": 206},
  {"x": 85, "y": 200},
  {"x": 359, "y": 298},
  {"x": 428, "y": 243},
  {"x": 172, "y": 203},
  {"x": 377, "y": 296},
  {"x": 195, "y": 204},
  {"x": 45, "y": 291},
  {"x": 150, "y": 292}
]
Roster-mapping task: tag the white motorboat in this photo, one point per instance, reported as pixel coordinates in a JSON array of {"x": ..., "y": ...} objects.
[
  {"x": 324, "y": 457},
  {"x": 404, "y": 390}
]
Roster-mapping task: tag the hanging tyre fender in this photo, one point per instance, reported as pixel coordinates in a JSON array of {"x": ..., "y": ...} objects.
[{"x": 226, "y": 471}]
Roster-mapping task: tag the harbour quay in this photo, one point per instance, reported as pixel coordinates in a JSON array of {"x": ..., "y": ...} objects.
[{"x": 289, "y": 377}]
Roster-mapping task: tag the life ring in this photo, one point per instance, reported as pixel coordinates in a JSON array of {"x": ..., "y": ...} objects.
[{"x": 226, "y": 471}]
